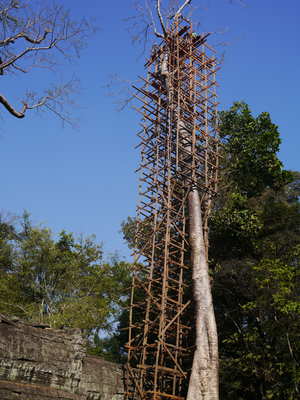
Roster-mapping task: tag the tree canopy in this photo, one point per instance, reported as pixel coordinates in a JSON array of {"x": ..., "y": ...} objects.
[
  {"x": 254, "y": 257},
  {"x": 63, "y": 282}
]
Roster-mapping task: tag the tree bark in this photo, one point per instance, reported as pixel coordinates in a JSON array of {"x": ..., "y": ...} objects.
[
  {"x": 203, "y": 383},
  {"x": 11, "y": 109}
]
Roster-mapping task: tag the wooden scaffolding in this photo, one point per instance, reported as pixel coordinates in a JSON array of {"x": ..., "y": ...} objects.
[{"x": 179, "y": 150}]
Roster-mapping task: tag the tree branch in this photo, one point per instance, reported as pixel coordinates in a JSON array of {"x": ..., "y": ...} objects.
[
  {"x": 290, "y": 349},
  {"x": 4, "y": 12},
  {"x": 40, "y": 103},
  {"x": 24, "y": 52},
  {"x": 160, "y": 18},
  {"x": 54, "y": 100},
  {"x": 181, "y": 8},
  {"x": 20, "y": 69},
  {"x": 153, "y": 23},
  {"x": 11, "y": 109},
  {"x": 23, "y": 35},
  {"x": 27, "y": 33}
]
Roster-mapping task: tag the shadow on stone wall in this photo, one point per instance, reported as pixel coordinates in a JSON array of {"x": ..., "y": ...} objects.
[{"x": 39, "y": 363}]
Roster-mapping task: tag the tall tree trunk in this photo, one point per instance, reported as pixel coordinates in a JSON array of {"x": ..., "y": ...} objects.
[{"x": 203, "y": 383}]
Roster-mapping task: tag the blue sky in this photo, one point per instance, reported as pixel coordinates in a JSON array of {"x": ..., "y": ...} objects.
[{"x": 83, "y": 181}]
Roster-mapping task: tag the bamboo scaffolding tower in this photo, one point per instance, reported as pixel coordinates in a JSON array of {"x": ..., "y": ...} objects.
[{"x": 179, "y": 150}]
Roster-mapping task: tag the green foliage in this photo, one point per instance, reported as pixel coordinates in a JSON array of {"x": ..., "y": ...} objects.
[
  {"x": 107, "y": 348},
  {"x": 234, "y": 225},
  {"x": 111, "y": 347},
  {"x": 63, "y": 282},
  {"x": 258, "y": 312},
  {"x": 254, "y": 257},
  {"x": 128, "y": 229},
  {"x": 251, "y": 144}
]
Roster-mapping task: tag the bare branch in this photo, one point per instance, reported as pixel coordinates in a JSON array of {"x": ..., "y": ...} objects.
[
  {"x": 4, "y": 12},
  {"x": 21, "y": 114},
  {"x": 20, "y": 69},
  {"x": 51, "y": 26},
  {"x": 23, "y": 35},
  {"x": 181, "y": 8},
  {"x": 49, "y": 36},
  {"x": 24, "y": 52},
  {"x": 153, "y": 22},
  {"x": 160, "y": 17},
  {"x": 54, "y": 100},
  {"x": 121, "y": 90},
  {"x": 11, "y": 109}
]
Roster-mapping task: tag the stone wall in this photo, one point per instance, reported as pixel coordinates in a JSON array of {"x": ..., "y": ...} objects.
[{"x": 39, "y": 363}]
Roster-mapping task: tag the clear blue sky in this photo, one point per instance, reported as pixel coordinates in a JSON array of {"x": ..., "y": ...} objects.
[{"x": 83, "y": 181}]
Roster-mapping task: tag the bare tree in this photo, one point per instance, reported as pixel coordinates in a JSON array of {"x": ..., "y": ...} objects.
[
  {"x": 151, "y": 14},
  {"x": 36, "y": 34}
]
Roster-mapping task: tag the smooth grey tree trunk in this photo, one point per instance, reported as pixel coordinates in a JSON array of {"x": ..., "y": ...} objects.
[{"x": 204, "y": 383}]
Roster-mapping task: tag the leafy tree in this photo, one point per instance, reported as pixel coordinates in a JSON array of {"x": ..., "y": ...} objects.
[
  {"x": 250, "y": 151},
  {"x": 63, "y": 282},
  {"x": 254, "y": 257},
  {"x": 254, "y": 261},
  {"x": 256, "y": 294}
]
